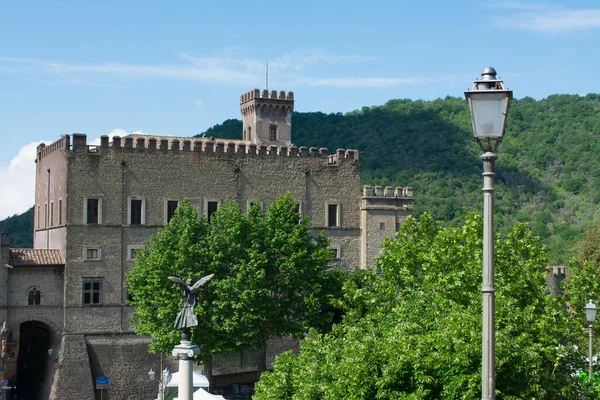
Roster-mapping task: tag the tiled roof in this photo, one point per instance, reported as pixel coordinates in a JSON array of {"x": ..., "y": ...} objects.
[{"x": 22, "y": 257}]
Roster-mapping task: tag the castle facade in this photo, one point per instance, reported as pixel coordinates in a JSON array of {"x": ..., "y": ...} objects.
[{"x": 95, "y": 205}]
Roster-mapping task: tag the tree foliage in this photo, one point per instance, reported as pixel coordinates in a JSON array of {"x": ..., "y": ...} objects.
[
  {"x": 20, "y": 227},
  {"x": 271, "y": 277},
  {"x": 413, "y": 327}
]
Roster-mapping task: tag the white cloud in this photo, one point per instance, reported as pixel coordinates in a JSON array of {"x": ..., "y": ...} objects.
[
  {"x": 227, "y": 69},
  {"x": 358, "y": 82},
  {"x": 17, "y": 182},
  {"x": 547, "y": 19},
  {"x": 117, "y": 132}
]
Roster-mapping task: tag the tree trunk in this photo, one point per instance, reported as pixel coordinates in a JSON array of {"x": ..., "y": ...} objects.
[{"x": 262, "y": 363}]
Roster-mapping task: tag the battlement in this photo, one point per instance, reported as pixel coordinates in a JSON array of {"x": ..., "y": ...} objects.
[
  {"x": 63, "y": 143},
  {"x": 202, "y": 145},
  {"x": 389, "y": 192},
  {"x": 266, "y": 95}
]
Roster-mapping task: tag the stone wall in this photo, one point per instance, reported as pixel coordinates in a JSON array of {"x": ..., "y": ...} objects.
[
  {"x": 117, "y": 174},
  {"x": 73, "y": 379},
  {"x": 126, "y": 361},
  {"x": 383, "y": 210}
]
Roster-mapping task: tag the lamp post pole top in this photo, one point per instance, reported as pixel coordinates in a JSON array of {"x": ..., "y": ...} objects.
[{"x": 488, "y": 73}]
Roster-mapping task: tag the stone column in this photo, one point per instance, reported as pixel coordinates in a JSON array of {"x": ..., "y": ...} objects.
[{"x": 185, "y": 352}]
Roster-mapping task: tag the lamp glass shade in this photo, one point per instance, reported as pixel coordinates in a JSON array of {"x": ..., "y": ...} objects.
[
  {"x": 167, "y": 376},
  {"x": 488, "y": 112},
  {"x": 151, "y": 375},
  {"x": 590, "y": 312}
]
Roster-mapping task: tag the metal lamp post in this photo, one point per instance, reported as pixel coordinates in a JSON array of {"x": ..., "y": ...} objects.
[
  {"x": 488, "y": 103},
  {"x": 590, "y": 315},
  {"x": 164, "y": 381}
]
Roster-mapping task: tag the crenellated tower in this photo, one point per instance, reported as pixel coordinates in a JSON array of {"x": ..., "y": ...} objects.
[{"x": 267, "y": 119}]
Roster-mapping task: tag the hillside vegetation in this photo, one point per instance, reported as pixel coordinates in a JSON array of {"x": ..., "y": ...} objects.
[{"x": 547, "y": 174}]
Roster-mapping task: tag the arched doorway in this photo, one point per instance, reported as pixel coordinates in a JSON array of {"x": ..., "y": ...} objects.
[{"x": 32, "y": 363}]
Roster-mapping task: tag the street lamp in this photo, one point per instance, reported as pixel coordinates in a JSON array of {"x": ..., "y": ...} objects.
[
  {"x": 163, "y": 382},
  {"x": 590, "y": 315},
  {"x": 488, "y": 103}
]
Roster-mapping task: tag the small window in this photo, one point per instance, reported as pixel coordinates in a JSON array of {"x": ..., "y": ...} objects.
[
  {"x": 136, "y": 211},
  {"x": 171, "y": 207},
  {"x": 51, "y": 213},
  {"x": 45, "y": 215},
  {"x": 337, "y": 256},
  {"x": 382, "y": 226},
  {"x": 253, "y": 202},
  {"x": 335, "y": 252},
  {"x": 60, "y": 211},
  {"x": 34, "y": 297},
  {"x": 93, "y": 211},
  {"x": 332, "y": 215},
  {"x": 39, "y": 216},
  {"x": 397, "y": 226},
  {"x": 132, "y": 251},
  {"x": 92, "y": 292},
  {"x": 211, "y": 208},
  {"x": 92, "y": 253},
  {"x": 297, "y": 208},
  {"x": 273, "y": 132}
]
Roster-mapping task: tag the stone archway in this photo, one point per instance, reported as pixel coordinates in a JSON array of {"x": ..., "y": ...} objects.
[{"x": 33, "y": 364}]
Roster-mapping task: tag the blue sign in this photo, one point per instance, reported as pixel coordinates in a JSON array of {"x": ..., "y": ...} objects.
[
  {"x": 4, "y": 382},
  {"x": 102, "y": 382}
]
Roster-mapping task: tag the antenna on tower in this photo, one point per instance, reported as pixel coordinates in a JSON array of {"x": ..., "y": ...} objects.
[{"x": 267, "y": 77}]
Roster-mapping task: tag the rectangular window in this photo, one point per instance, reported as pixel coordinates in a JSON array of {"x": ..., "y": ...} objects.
[
  {"x": 397, "y": 226},
  {"x": 60, "y": 211},
  {"x": 93, "y": 211},
  {"x": 171, "y": 207},
  {"x": 335, "y": 252},
  {"x": 51, "y": 213},
  {"x": 273, "y": 132},
  {"x": 39, "y": 217},
  {"x": 92, "y": 291},
  {"x": 45, "y": 215},
  {"x": 132, "y": 251},
  {"x": 251, "y": 203},
  {"x": 211, "y": 208},
  {"x": 92, "y": 253},
  {"x": 382, "y": 226},
  {"x": 297, "y": 208},
  {"x": 135, "y": 212},
  {"x": 332, "y": 215}
]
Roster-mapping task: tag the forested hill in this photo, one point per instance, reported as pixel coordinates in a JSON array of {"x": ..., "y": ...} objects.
[{"x": 547, "y": 174}]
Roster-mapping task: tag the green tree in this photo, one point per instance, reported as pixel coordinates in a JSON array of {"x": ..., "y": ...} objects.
[
  {"x": 413, "y": 327},
  {"x": 271, "y": 278}
]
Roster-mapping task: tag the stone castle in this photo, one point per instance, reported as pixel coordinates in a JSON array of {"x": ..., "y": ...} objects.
[{"x": 95, "y": 205}]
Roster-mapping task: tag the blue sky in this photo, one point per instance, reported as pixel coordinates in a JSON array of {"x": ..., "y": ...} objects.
[{"x": 176, "y": 69}]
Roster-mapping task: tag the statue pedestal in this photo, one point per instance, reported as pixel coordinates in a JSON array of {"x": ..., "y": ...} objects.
[{"x": 185, "y": 352}]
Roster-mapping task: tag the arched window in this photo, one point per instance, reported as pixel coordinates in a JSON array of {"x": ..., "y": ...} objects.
[{"x": 34, "y": 297}]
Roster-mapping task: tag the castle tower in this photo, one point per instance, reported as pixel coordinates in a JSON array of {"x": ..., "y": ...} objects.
[{"x": 267, "y": 119}]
